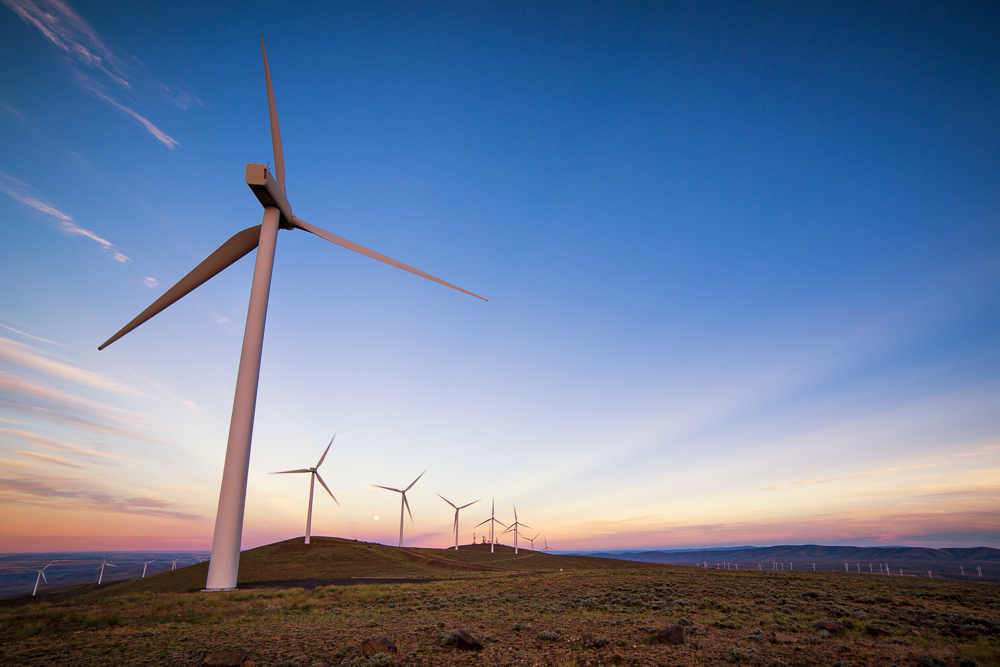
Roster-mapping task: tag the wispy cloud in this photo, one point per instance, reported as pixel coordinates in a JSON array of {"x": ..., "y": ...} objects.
[
  {"x": 58, "y": 489},
  {"x": 48, "y": 458},
  {"x": 82, "y": 47},
  {"x": 24, "y": 193},
  {"x": 28, "y": 335},
  {"x": 58, "y": 406},
  {"x": 149, "y": 281},
  {"x": 24, "y": 356},
  {"x": 52, "y": 444}
]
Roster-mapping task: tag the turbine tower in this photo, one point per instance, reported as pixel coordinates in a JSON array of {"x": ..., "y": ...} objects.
[
  {"x": 173, "y": 563},
  {"x": 492, "y": 520},
  {"x": 532, "y": 540},
  {"x": 455, "y": 527},
  {"x": 403, "y": 504},
  {"x": 145, "y": 564},
  {"x": 515, "y": 526},
  {"x": 546, "y": 549},
  {"x": 270, "y": 191},
  {"x": 313, "y": 476},
  {"x": 41, "y": 575}
]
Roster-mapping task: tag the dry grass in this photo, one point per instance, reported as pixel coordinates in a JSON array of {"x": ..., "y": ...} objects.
[{"x": 602, "y": 616}]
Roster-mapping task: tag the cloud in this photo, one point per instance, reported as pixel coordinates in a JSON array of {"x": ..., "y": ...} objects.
[
  {"x": 23, "y": 193},
  {"x": 150, "y": 281},
  {"x": 70, "y": 34},
  {"x": 57, "y": 490},
  {"x": 48, "y": 458},
  {"x": 56, "y": 406},
  {"x": 46, "y": 442},
  {"x": 25, "y": 357},
  {"x": 27, "y": 335}
]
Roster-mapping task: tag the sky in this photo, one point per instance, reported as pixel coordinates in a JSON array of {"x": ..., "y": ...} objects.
[{"x": 742, "y": 263}]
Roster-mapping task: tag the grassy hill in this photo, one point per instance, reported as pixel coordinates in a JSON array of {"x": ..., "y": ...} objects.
[{"x": 330, "y": 560}]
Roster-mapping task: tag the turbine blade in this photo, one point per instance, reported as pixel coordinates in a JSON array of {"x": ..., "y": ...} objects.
[
  {"x": 238, "y": 245},
  {"x": 466, "y": 505},
  {"x": 110, "y": 565},
  {"x": 286, "y": 472},
  {"x": 350, "y": 245},
  {"x": 279, "y": 156},
  {"x": 387, "y": 488},
  {"x": 501, "y": 523},
  {"x": 524, "y": 525},
  {"x": 325, "y": 452},
  {"x": 447, "y": 501},
  {"x": 481, "y": 523},
  {"x": 415, "y": 481},
  {"x": 506, "y": 531},
  {"x": 41, "y": 572},
  {"x": 407, "y": 505},
  {"x": 327, "y": 489}
]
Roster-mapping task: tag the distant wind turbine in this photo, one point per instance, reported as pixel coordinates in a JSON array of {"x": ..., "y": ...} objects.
[
  {"x": 41, "y": 576},
  {"x": 100, "y": 567},
  {"x": 270, "y": 192},
  {"x": 515, "y": 527},
  {"x": 313, "y": 476},
  {"x": 492, "y": 520},
  {"x": 532, "y": 540},
  {"x": 145, "y": 564},
  {"x": 455, "y": 527},
  {"x": 546, "y": 549},
  {"x": 173, "y": 563},
  {"x": 403, "y": 504}
]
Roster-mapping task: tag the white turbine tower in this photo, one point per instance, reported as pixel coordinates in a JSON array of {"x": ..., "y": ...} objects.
[
  {"x": 313, "y": 476},
  {"x": 101, "y": 567},
  {"x": 173, "y": 563},
  {"x": 145, "y": 564},
  {"x": 515, "y": 527},
  {"x": 403, "y": 504},
  {"x": 455, "y": 527},
  {"x": 41, "y": 576},
  {"x": 492, "y": 520},
  {"x": 270, "y": 191}
]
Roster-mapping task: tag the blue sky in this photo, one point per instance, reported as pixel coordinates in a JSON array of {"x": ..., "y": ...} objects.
[{"x": 741, "y": 260}]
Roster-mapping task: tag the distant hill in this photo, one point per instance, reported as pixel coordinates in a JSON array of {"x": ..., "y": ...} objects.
[
  {"x": 944, "y": 563},
  {"x": 332, "y": 560}
]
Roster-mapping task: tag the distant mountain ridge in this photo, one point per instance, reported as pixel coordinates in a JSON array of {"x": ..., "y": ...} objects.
[{"x": 813, "y": 553}]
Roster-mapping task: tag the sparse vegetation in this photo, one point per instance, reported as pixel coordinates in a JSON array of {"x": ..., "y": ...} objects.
[{"x": 605, "y": 616}]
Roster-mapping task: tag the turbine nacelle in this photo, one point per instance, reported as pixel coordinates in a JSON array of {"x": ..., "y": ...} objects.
[{"x": 268, "y": 192}]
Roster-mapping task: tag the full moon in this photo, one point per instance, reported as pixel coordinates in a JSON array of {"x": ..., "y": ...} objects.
[{"x": 376, "y": 517}]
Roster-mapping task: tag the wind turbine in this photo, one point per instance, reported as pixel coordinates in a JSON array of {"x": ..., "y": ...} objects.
[
  {"x": 532, "y": 540},
  {"x": 145, "y": 563},
  {"x": 492, "y": 520},
  {"x": 403, "y": 504},
  {"x": 456, "y": 516},
  {"x": 173, "y": 563},
  {"x": 270, "y": 191},
  {"x": 41, "y": 575},
  {"x": 515, "y": 526},
  {"x": 100, "y": 567},
  {"x": 546, "y": 549},
  {"x": 314, "y": 475}
]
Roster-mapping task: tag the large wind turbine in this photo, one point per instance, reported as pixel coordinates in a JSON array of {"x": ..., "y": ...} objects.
[
  {"x": 515, "y": 526},
  {"x": 41, "y": 576},
  {"x": 492, "y": 520},
  {"x": 403, "y": 504},
  {"x": 314, "y": 475},
  {"x": 270, "y": 191},
  {"x": 104, "y": 562},
  {"x": 145, "y": 564},
  {"x": 456, "y": 515}
]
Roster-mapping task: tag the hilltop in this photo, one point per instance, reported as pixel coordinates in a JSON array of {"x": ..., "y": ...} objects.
[{"x": 336, "y": 561}]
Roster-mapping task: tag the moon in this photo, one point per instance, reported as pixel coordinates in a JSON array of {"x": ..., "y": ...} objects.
[{"x": 376, "y": 517}]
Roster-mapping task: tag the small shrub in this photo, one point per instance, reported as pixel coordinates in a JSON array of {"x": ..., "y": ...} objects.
[
  {"x": 549, "y": 636},
  {"x": 736, "y": 654},
  {"x": 113, "y": 620}
]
